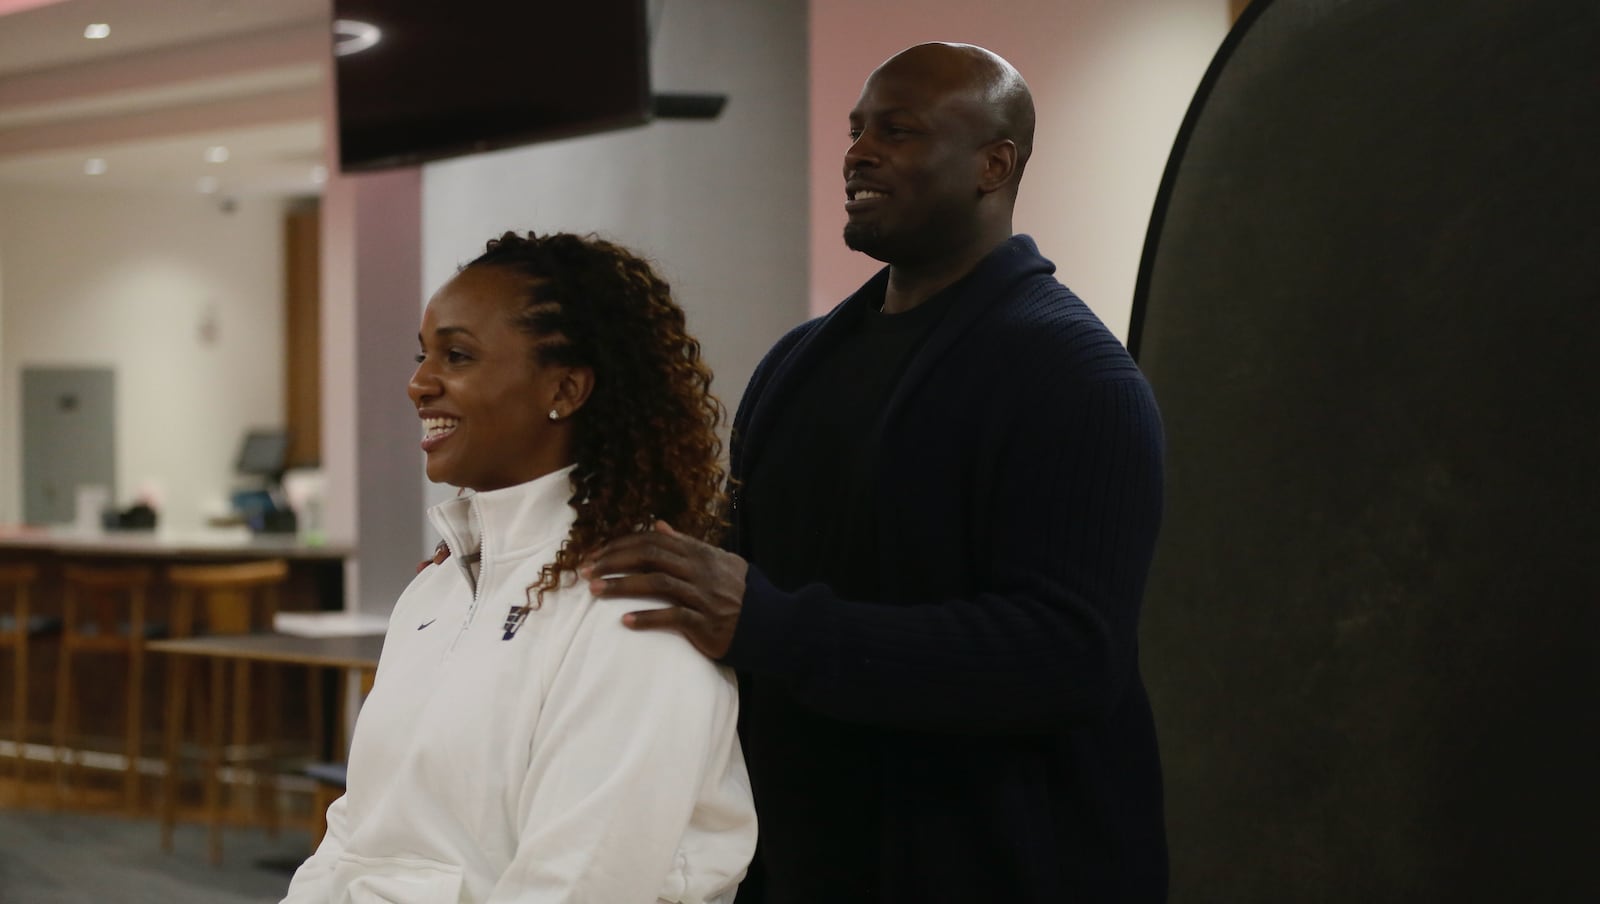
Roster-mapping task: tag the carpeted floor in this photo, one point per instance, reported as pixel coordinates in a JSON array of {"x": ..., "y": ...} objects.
[{"x": 77, "y": 858}]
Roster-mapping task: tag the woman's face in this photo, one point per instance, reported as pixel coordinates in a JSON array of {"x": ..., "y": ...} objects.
[{"x": 483, "y": 398}]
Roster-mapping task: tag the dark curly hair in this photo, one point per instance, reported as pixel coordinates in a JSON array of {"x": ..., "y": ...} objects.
[{"x": 645, "y": 442}]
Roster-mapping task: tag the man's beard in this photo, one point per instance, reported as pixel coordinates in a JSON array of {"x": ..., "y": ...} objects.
[{"x": 865, "y": 238}]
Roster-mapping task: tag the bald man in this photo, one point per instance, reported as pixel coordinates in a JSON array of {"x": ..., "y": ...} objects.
[{"x": 945, "y": 498}]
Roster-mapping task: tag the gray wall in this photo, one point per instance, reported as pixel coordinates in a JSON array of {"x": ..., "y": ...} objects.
[{"x": 720, "y": 206}]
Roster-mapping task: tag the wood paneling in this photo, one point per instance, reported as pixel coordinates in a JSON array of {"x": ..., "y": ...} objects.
[{"x": 302, "y": 335}]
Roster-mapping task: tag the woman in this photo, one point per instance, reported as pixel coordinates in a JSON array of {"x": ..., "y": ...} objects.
[{"x": 520, "y": 744}]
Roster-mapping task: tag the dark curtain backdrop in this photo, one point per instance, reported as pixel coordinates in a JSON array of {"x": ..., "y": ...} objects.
[{"x": 1370, "y": 308}]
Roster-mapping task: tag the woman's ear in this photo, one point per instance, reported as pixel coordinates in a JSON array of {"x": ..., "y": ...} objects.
[{"x": 572, "y": 390}]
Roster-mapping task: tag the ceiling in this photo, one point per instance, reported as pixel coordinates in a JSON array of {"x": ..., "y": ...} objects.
[{"x": 173, "y": 79}]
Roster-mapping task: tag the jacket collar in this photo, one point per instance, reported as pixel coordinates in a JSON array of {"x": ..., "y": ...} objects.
[{"x": 508, "y": 521}]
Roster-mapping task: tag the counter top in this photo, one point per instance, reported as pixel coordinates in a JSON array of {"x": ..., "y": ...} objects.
[
  {"x": 200, "y": 544},
  {"x": 359, "y": 652}
]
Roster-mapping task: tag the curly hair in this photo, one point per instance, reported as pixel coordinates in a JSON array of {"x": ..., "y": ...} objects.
[{"x": 645, "y": 442}]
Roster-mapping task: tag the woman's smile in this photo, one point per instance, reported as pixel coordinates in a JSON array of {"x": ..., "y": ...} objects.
[{"x": 435, "y": 430}]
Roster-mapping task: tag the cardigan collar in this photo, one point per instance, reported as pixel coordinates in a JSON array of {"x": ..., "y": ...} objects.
[{"x": 988, "y": 283}]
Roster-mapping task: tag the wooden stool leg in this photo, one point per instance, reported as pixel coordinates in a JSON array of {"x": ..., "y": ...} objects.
[
  {"x": 63, "y": 715},
  {"x": 241, "y": 765},
  {"x": 314, "y": 688},
  {"x": 177, "y": 668},
  {"x": 267, "y": 798},
  {"x": 19, "y": 707},
  {"x": 214, "y": 761},
  {"x": 341, "y": 687},
  {"x": 135, "y": 717},
  {"x": 322, "y": 798}
]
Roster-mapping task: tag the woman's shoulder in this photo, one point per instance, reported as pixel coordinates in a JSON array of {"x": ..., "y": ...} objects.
[{"x": 639, "y": 654}]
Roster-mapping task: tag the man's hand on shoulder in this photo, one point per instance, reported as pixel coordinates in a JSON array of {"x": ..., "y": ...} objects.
[{"x": 704, "y": 584}]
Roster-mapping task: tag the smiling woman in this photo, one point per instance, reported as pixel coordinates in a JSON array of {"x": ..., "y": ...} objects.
[
  {"x": 482, "y": 391},
  {"x": 519, "y": 742}
]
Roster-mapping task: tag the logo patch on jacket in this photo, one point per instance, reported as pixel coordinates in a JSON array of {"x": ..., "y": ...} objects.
[{"x": 514, "y": 619}]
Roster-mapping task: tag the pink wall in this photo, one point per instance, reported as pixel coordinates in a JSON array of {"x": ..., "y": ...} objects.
[
  {"x": 16, "y": 6},
  {"x": 1111, "y": 82}
]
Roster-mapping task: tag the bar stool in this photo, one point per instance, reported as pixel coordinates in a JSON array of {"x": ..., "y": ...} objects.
[
  {"x": 237, "y": 598},
  {"x": 18, "y": 625},
  {"x": 103, "y": 611},
  {"x": 329, "y": 778}
]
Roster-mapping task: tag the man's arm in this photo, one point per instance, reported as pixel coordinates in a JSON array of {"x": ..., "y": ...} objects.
[{"x": 1053, "y": 636}]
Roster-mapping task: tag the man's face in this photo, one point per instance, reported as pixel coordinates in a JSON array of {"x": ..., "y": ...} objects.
[{"x": 912, "y": 170}]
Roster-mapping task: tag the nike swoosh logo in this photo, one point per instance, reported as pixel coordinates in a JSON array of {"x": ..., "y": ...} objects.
[{"x": 426, "y": 623}]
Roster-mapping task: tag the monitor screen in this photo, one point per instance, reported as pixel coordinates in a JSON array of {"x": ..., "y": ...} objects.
[
  {"x": 263, "y": 452},
  {"x": 444, "y": 79}
]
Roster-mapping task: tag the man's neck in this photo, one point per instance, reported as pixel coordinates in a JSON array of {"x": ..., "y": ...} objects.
[{"x": 912, "y": 284}]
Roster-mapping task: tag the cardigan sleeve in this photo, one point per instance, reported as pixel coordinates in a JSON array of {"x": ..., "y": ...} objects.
[{"x": 1050, "y": 635}]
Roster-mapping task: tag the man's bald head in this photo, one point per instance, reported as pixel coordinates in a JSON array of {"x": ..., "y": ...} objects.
[
  {"x": 938, "y": 139},
  {"x": 998, "y": 95}
]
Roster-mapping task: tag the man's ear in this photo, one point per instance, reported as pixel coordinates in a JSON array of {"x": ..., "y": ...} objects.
[
  {"x": 999, "y": 161},
  {"x": 572, "y": 390}
]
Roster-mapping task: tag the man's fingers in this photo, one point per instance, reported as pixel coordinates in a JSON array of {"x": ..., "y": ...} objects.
[
  {"x": 654, "y": 551},
  {"x": 671, "y": 618},
  {"x": 649, "y": 584}
]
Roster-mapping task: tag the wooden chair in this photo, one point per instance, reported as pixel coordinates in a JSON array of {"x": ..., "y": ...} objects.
[
  {"x": 103, "y": 612},
  {"x": 328, "y": 783},
  {"x": 329, "y": 778},
  {"x": 238, "y": 598},
  {"x": 18, "y": 625}
]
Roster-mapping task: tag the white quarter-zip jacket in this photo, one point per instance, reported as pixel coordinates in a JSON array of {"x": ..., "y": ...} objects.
[{"x": 575, "y": 761}]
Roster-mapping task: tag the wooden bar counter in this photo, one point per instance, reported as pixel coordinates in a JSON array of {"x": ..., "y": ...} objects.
[
  {"x": 316, "y": 583},
  {"x": 160, "y": 544}
]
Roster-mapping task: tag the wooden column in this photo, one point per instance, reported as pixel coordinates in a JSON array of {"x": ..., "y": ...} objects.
[{"x": 303, "y": 334}]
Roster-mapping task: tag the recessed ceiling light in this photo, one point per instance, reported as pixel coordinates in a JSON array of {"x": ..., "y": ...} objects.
[
  {"x": 350, "y": 36},
  {"x": 97, "y": 31},
  {"x": 216, "y": 154},
  {"x": 319, "y": 174},
  {"x": 94, "y": 166},
  {"x": 206, "y": 185}
]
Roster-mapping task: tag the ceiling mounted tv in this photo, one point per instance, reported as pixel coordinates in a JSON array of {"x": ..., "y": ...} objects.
[{"x": 445, "y": 79}]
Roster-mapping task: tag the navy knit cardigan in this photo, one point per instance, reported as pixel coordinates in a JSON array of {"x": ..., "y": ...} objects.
[{"x": 1018, "y": 473}]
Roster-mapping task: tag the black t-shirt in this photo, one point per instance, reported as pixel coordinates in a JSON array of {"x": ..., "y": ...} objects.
[
  {"x": 808, "y": 509},
  {"x": 810, "y": 517}
]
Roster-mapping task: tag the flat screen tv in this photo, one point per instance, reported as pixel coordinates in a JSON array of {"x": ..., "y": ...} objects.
[{"x": 458, "y": 77}]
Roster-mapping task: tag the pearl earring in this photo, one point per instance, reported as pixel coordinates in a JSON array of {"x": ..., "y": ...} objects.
[{"x": 555, "y": 415}]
